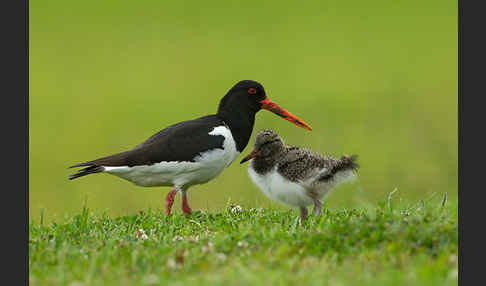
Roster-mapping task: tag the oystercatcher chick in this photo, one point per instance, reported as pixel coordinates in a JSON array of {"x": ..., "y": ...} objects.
[
  {"x": 295, "y": 176},
  {"x": 195, "y": 151}
]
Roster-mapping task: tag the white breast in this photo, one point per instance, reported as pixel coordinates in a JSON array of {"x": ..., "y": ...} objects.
[
  {"x": 280, "y": 189},
  {"x": 205, "y": 167}
]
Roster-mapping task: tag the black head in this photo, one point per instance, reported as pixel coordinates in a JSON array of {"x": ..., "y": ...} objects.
[
  {"x": 247, "y": 94},
  {"x": 267, "y": 145},
  {"x": 240, "y": 105}
]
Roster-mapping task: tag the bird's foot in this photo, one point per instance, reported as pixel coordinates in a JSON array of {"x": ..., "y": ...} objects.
[{"x": 169, "y": 200}]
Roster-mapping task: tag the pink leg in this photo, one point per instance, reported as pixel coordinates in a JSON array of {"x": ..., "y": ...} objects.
[
  {"x": 185, "y": 204},
  {"x": 169, "y": 200}
]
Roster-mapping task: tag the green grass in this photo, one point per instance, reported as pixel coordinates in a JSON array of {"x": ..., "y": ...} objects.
[{"x": 385, "y": 245}]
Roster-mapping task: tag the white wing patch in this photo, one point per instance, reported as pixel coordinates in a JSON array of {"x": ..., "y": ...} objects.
[
  {"x": 229, "y": 144},
  {"x": 205, "y": 167}
]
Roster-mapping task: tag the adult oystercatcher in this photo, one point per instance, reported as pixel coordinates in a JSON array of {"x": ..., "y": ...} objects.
[
  {"x": 195, "y": 151},
  {"x": 296, "y": 176}
]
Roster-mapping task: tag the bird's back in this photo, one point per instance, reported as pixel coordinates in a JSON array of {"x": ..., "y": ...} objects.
[
  {"x": 179, "y": 142},
  {"x": 300, "y": 164}
]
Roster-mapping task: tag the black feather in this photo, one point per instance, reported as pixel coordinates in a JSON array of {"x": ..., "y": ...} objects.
[
  {"x": 87, "y": 171},
  {"x": 181, "y": 142}
]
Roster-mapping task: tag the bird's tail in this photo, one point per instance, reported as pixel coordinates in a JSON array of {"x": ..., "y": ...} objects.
[
  {"x": 344, "y": 170},
  {"x": 87, "y": 171}
]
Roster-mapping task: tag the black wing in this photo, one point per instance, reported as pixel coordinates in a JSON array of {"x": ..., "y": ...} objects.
[{"x": 179, "y": 142}]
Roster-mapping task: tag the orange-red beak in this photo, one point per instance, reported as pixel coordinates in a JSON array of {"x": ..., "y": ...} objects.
[
  {"x": 275, "y": 108},
  {"x": 252, "y": 155}
]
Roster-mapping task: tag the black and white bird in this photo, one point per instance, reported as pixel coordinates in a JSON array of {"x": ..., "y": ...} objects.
[
  {"x": 195, "y": 151},
  {"x": 295, "y": 176}
]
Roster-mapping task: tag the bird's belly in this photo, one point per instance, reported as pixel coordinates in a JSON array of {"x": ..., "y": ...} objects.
[
  {"x": 204, "y": 168},
  {"x": 280, "y": 189}
]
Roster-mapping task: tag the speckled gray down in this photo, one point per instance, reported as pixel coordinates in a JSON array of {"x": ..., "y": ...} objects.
[{"x": 296, "y": 163}]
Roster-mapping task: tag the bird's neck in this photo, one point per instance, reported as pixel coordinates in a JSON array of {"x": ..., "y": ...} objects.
[
  {"x": 240, "y": 121},
  {"x": 263, "y": 165}
]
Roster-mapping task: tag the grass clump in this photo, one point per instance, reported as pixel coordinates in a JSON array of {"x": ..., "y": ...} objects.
[{"x": 414, "y": 245}]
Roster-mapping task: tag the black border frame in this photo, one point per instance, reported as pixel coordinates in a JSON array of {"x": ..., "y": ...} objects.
[
  {"x": 15, "y": 135},
  {"x": 471, "y": 74}
]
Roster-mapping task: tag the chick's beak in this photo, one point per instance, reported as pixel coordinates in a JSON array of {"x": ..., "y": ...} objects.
[{"x": 253, "y": 154}]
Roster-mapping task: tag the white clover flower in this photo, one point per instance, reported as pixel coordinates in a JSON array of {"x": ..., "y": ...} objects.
[
  {"x": 242, "y": 244},
  {"x": 235, "y": 209},
  {"x": 141, "y": 234}
]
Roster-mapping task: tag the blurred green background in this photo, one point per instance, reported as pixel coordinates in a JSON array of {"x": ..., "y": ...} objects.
[{"x": 377, "y": 78}]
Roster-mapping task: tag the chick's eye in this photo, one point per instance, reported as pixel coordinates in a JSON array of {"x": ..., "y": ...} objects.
[{"x": 252, "y": 90}]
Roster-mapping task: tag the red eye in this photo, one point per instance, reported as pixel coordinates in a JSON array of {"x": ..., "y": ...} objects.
[{"x": 252, "y": 90}]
